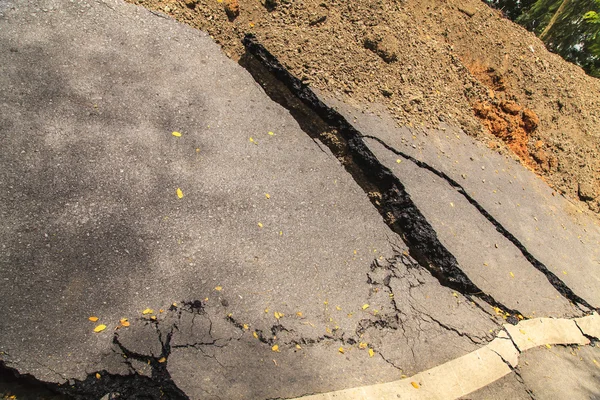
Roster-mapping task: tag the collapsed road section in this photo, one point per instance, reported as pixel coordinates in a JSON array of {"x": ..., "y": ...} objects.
[
  {"x": 386, "y": 191},
  {"x": 143, "y": 167}
]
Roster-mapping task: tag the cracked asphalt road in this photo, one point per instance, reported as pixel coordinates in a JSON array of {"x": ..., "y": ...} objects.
[{"x": 274, "y": 275}]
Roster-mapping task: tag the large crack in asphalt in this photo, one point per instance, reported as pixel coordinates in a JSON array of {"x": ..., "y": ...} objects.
[
  {"x": 386, "y": 192},
  {"x": 554, "y": 280},
  {"x": 135, "y": 385}
]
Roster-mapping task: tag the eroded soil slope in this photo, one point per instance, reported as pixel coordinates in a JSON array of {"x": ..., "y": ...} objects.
[{"x": 455, "y": 61}]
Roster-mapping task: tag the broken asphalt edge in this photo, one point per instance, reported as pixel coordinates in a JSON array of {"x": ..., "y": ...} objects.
[
  {"x": 554, "y": 280},
  {"x": 393, "y": 202},
  {"x": 475, "y": 370}
]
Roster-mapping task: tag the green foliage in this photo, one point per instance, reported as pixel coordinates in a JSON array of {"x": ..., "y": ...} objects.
[{"x": 570, "y": 28}]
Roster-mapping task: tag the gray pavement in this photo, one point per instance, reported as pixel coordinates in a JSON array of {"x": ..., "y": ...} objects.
[
  {"x": 555, "y": 231},
  {"x": 270, "y": 274}
]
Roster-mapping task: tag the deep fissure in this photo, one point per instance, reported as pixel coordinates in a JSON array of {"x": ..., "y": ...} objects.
[
  {"x": 386, "y": 192},
  {"x": 554, "y": 280}
]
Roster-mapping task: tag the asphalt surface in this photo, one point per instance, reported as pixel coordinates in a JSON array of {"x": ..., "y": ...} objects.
[{"x": 246, "y": 259}]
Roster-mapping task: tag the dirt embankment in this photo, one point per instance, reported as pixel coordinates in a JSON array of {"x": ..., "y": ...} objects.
[{"x": 454, "y": 61}]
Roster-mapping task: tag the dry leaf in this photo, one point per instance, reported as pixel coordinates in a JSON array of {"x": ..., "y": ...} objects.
[
  {"x": 179, "y": 193},
  {"x": 147, "y": 311},
  {"x": 260, "y": 225},
  {"x": 278, "y": 315},
  {"x": 512, "y": 275},
  {"x": 245, "y": 327},
  {"x": 299, "y": 314},
  {"x": 275, "y": 348},
  {"x": 271, "y": 133},
  {"x": 548, "y": 346},
  {"x": 153, "y": 318},
  {"x": 415, "y": 385},
  {"x": 255, "y": 335},
  {"x": 218, "y": 288},
  {"x": 98, "y": 375},
  {"x": 93, "y": 319},
  {"x": 338, "y": 308},
  {"x": 300, "y": 347},
  {"x": 100, "y": 328},
  {"x": 341, "y": 350},
  {"x": 124, "y": 322},
  {"x": 365, "y": 306},
  {"x": 162, "y": 360},
  {"x": 267, "y": 195},
  {"x": 371, "y": 353},
  {"x": 362, "y": 345},
  {"x": 177, "y": 134}
]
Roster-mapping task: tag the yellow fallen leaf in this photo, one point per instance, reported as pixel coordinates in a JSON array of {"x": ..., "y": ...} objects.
[
  {"x": 371, "y": 353},
  {"x": 275, "y": 348},
  {"x": 327, "y": 330},
  {"x": 161, "y": 311},
  {"x": 341, "y": 350},
  {"x": 218, "y": 288},
  {"x": 271, "y": 133},
  {"x": 362, "y": 345},
  {"x": 298, "y": 347},
  {"x": 245, "y": 327},
  {"x": 522, "y": 331},
  {"x": 177, "y": 134},
  {"x": 147, "y": 311},
  {"x": 93, "y": 319},
  {"x": 255, "y": 335},
  {"x": 548, "y": 346},
  {"x": 299, "y": 314},
  {"x": 398, "y": 161},
  {"x": 564, "y": 272},
  {"x": 266, "y": 310},
  {"x": 98, "y": 376},
  {"x": 365, "y": 306},
  {"x": 124, "y": 322},
  {"x": 100, "y": 328},
  {"x": 197, "y": 150},
  {"x": 174, "y": 304},
  {"x": 153, "y": 317},
  {"x": 512, "y": 275},
  {"x": 415, "y": 385},
  {"x": 162, "y": 360},
  {"x": 253, "y": 141},
  {"x": 267, "y": 195},
  {"x": 455, "y": 294},
  {"x": 251, "y": 24},
  {"x": 179, "y": 193},
  {"x": 338, "y": 308},
  {"x": 278, "y": 315},
  {"x": 260, "y": 225}
]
